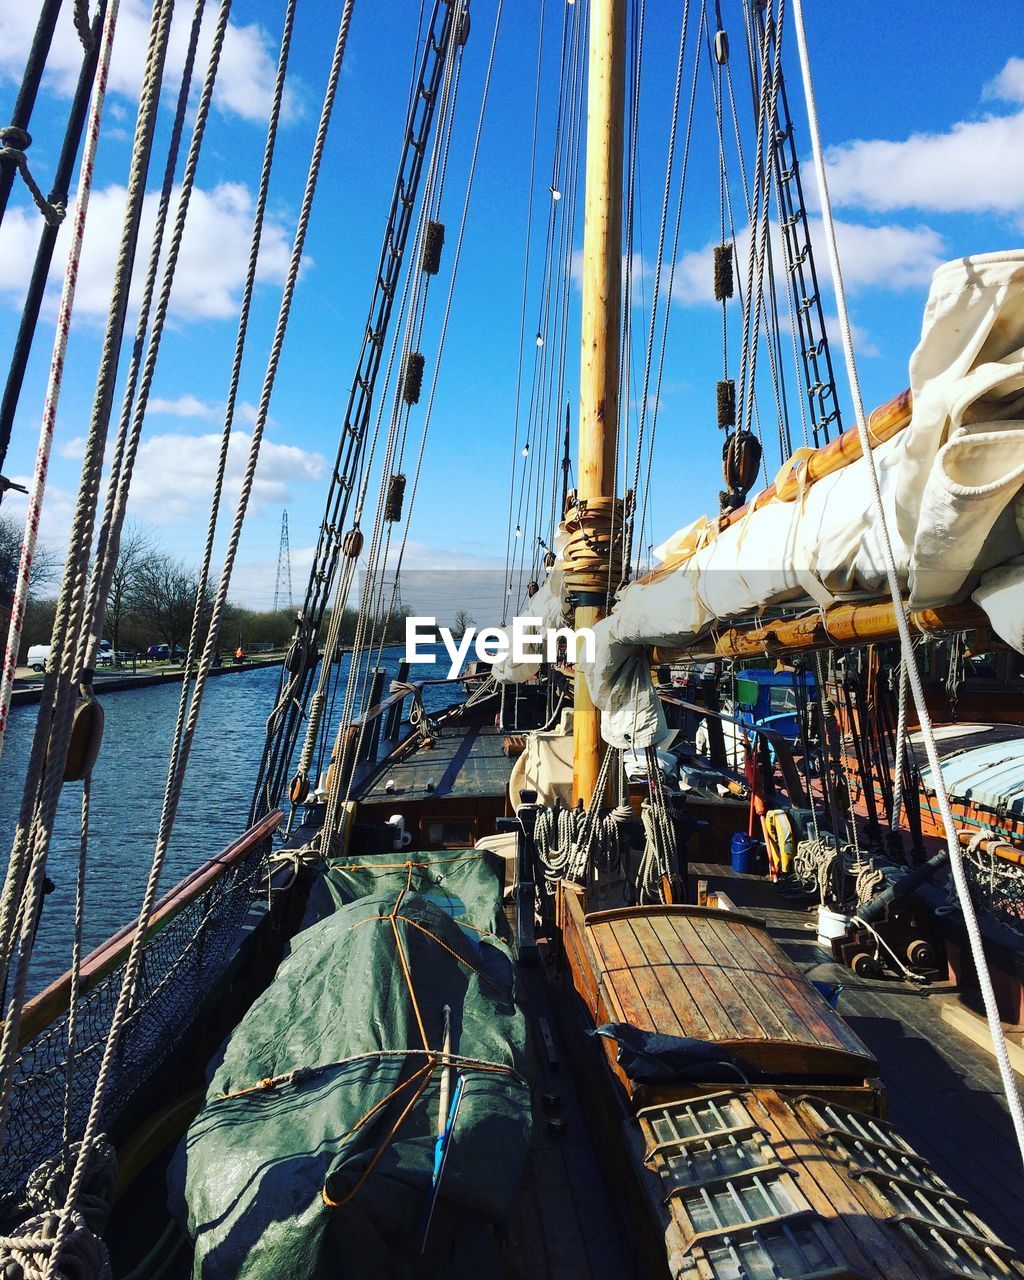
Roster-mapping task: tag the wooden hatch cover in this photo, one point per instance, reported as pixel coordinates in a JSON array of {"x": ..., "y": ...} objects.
[{"x": 714, "y": 975}]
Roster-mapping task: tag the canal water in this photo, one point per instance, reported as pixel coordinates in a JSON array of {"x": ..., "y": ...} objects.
[{"x": 127, "y": 790}]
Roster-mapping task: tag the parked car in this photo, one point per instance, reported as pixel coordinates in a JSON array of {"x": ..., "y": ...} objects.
[
  {"x": 162, "y": 652},
  {"x": 38, "y": 656},
  {"x": 105, "y": 657}
]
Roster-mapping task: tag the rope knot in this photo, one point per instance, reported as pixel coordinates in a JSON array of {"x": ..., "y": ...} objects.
[
  {"x": 594, "y": 527},
  {"x": 14, "y": 141}
]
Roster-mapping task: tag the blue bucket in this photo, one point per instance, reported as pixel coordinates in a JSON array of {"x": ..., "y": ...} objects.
[{"x": 744, "y": 854}]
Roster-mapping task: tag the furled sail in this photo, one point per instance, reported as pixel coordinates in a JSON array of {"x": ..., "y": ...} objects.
[{"x": 951, "y": 486}]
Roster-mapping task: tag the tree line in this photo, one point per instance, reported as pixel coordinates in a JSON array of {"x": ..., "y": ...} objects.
[{"x": 152, "y": 600}]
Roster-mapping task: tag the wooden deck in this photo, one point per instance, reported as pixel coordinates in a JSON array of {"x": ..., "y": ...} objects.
[
  {"x": 464, "y": 762},
  {"x": 782, "y": 1186},
  {"x": 944, "y": 1093}
]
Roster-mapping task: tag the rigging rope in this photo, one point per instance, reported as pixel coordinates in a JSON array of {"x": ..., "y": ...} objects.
[
  {"x": 126, "y": 443},
  {"x": 441, "y": 340},
  {"x": 25, "y": 873},
  {"x": 906, "y": 642},
  {"x": 176, "y": 772},
  {"x": 56, "y": 375}
]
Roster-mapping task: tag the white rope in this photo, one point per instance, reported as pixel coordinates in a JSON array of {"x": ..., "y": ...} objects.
[
  {"x": 176, "y": 775},
  {"x": 956, "y": 864},
  {"x": 56, "y": 377}
]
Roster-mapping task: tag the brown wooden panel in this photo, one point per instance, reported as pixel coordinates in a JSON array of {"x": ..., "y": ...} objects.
[{"x": 718, "y": 976}]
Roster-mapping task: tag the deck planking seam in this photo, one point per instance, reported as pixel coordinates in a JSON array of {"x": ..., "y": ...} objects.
[
  {"x": 656, "y": 968},
  {"x": 758, "y": 1005}
]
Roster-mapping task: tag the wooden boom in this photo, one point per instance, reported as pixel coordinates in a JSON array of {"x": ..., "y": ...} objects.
[{"x": 841, "y": 627}]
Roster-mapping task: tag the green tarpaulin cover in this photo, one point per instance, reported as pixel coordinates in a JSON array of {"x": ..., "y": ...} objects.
[{"x": 350, "y": 1012}]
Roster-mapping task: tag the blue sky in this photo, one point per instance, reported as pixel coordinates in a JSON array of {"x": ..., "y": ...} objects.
[{"x": 924, "y": 118}]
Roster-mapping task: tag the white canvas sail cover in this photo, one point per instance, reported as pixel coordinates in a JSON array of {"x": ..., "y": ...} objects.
[{"x": 951, "y": 487}]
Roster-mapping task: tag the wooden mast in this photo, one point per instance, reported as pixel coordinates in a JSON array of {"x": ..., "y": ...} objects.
[{"x": 602, "y": 289}]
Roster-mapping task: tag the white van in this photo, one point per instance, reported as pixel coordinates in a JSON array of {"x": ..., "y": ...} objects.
[{"x": 38, "y": 656}]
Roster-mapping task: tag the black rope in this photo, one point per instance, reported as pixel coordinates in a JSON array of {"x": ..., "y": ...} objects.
[
  {"x": 21, "y": 116},
  {"x": 48, "y": 239}
]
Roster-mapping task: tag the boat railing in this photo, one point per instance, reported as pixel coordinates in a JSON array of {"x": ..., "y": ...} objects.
[
  {"x": 190, "y": 942},
  {"x": 379, "y": 727},
  {"x": 40, "y": 1012}
]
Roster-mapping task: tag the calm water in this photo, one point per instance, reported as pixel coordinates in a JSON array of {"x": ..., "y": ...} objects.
[{"x": 127, "y": 790}]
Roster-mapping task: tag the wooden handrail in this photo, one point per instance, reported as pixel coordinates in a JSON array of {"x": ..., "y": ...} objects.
[{"x": 50, "y": 1003}]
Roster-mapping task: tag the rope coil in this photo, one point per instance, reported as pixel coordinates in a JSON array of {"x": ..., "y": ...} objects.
[{"x": 594, "y": 527}]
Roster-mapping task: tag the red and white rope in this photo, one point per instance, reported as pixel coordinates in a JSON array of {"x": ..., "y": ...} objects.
[{"x": 53, "y": 387}]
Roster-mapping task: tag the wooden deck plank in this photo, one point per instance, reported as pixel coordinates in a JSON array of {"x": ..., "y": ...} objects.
[
  {"x": 705, "y": 975},
  {"x": 686, "y": 1010},
  {"x": 728, "y": 981},
  {"x": 849, "y": 1206},
  {"x": 944, "y": 1093},
  {"x": 661, "y": 990},
  {"x": 705, "y": 1007},
  {"x": 621, "y": 979},
  {"x": 767, "y": 1012}
]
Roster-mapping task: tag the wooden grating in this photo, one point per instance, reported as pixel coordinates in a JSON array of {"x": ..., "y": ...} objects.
[{"x": 755, "y": 1186}]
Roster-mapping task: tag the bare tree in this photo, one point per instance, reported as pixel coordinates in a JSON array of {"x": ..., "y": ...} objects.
[
  {"x": 163, "y": 598},
  {"x": 461, "y": 624},
  {"x": 135, "y": 549},
  {"x": 44, "y": 562}
]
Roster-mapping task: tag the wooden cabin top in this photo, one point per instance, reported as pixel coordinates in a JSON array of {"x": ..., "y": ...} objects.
[{"x": 713, "y": 975}]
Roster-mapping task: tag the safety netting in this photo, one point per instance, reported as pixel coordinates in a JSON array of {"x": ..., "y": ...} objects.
[{"x": 181, "y": 964}]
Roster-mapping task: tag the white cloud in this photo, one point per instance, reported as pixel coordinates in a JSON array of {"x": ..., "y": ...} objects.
[
  {"x": 211, "y": 268},
  {"x": 1008, "y": 85},
  {"x": 863, "y": 343},
  {"x": 890, "y": 257},
  {"x": 245, "y": 79},
  {"x": 183, "y": 407},
  {"x": 174, "y": 473},
  {"x": 974, "y": 166}
]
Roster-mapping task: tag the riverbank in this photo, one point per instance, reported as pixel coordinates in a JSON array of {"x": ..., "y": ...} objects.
[{"x": 28, "y": 694}]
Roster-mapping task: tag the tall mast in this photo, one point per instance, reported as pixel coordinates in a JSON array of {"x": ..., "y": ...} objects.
[{"x": 601, "y": 318}]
